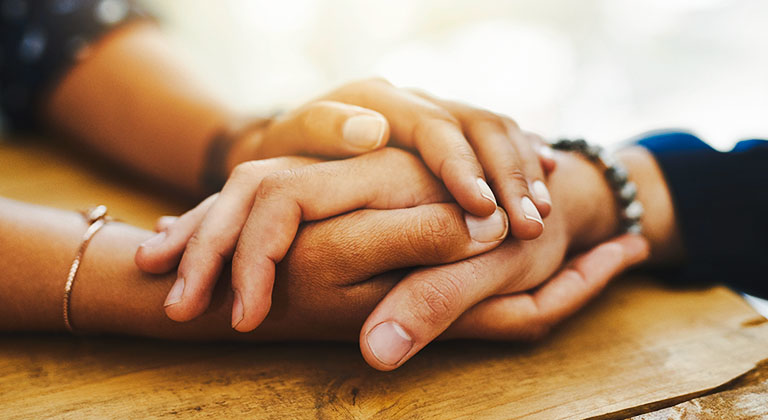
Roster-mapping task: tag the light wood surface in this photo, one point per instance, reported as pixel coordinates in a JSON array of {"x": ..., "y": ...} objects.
[
  {"x": 744, "y": 398},
  {"x": 640, "y": 347}
]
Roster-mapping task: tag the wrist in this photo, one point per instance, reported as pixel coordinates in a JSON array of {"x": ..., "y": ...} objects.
[
  {"x": 584, "y": 195},
  {"x": 235, "y": 143},
  {"x": 591, "y": 210},
  {"x": 113, "y": 296},
  {"x": 659, "y": 222},
  {"x": 246, "y": 145}
]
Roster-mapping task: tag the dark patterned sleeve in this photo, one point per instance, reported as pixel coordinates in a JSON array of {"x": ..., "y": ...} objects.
[
  {"x": 41, "y": 40},
  {"x": 721, "y": 205}
]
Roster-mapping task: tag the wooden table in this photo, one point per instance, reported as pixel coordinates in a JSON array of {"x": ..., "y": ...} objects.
[{"x": 641, "y": 349}]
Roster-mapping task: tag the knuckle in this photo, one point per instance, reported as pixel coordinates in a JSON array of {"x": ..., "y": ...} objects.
[
  {"x": 423, "y": 187},
  {"x": 437, "y": 300},
  {"x": 358, "y": 88},
  {"x": 404, "y": 161},
  {"x": 434, "y": 233},
  {"x": 377, "y": 80},
  {"x": 309, "y": 264},
  {"x": 485, "y": 118},
  {"x": 310, "y": 115},
  {"x": 200, "y": 252},
  {"x": 195, "y": 241},
  {"x": 574, "y": 275},
  {"x": 433, "y": 119},
  {"x": 313, "y": 117},
  {"x": 511, "y": 124},
  {"x": 276, "y": 183},
  {"x": 442, "y": 116},
  {"x": 245, "y": 170},
  {"x": 511, "y": 178}
]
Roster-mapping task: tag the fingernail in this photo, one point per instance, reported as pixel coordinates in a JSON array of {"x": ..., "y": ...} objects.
[
  {"x": 177, "y": 291},
  {"x": 546, "y": 152},
  {"x": 541, "y": 191},
  {"x": 154, "y": 241},
  {"x": 485, "y": 190},
  {"x": 237, "y": 309},
  {"x": 487, "y": 229},
  {"x": 364, "y": 131},
  {"x": 389, "y": 342},
  {"x": 529, "y": 209}
]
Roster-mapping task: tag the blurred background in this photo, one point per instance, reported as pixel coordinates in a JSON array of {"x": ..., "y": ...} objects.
[{"x": 603, "y": 69}]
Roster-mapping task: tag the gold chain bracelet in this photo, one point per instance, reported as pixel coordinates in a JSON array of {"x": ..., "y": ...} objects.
[{"x": 96, "y": 218}]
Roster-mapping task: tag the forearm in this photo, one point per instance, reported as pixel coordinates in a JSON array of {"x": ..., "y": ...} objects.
[
  {"x": 109, "y": 294},
  {"x": 133, "y": 100},
  {"x": 37, "y": 247}
]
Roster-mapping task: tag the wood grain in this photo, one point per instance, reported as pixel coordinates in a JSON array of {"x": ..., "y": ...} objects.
[
  {"x": 640, "y": 346},
  {"x": 742, "y": 399}
]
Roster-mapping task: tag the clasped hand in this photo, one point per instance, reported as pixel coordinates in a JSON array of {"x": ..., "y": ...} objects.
[{"x": 413, "y": 247}]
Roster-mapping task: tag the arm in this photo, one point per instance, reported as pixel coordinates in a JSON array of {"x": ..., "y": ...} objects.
[
  {"x": 332, "y": 264},
  {"x": 112, "y": 295},
  {"x": 38, "y": 246},
  {"x": 515, "y": 275},
  {"x": 130, "y": 98}
]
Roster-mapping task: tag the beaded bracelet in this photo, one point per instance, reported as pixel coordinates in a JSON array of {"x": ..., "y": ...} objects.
[
  {"x": 96, "y": 218},
  {"x": 631, "y": 210}
]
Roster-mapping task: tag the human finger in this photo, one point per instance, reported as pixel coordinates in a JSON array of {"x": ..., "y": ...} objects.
[
  {"x": 213, "y": 238},
  {"x": 513, "y": 172},
  {"x": 434, "y": 132},
  {"x": 285, "y": 199},
  {"x": 364, "y": 243},
  {"x": 421, "y": 306},
  {"x": 530, "y": 160},
  {"x": 162, "y": 252},
  {"x": 325, "y": 128},
  {"x": 530, "y": 315},
  {"x": 427, "y": 301},
  {"x": 511, "y": 165},
  {"x": 163, "y": 222},
  {"x": 543, "y": 150}
]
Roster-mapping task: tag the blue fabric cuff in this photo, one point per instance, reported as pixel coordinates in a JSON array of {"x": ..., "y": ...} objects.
[{"x": 721, "y": 205}]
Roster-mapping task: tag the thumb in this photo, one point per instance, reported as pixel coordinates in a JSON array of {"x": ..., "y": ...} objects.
[
  {"x": 326, "y": 128},
  {"x": 532, "y": 314}
]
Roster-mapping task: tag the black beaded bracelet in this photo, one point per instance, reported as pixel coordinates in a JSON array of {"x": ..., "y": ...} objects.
[{"x": 625, "y": 190}]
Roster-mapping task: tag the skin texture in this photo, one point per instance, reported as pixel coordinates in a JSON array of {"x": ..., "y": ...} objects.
[
  {"x": 112, "y": 295},
  {"x": 154, "y": 95},
  {"x": 308, "y": 192},
  {"x": 157, "y": 98},
  {"x": 426, "y": 307}
]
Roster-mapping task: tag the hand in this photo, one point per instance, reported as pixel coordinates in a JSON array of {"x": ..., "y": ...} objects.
[
  {"x": 460, "y": 145},
  {"x": 427, "y": 301},
  {"x": 324, "y": 287},
  {"x": 257, "y": 214},
  {"x": 331, "y": 276},
  {"x": 275, "y": 218},
  {"x": 532, "y": 314},
  {"x": 329, "y": 281}
]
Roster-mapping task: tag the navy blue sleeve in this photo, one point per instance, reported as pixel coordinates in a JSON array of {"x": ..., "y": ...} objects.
[
  {"x": 721, "y": 205},
  {"x": 40, "y": 40}
]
